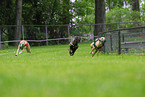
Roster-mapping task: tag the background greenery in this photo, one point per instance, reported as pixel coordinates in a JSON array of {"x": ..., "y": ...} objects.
[
  {"x": 50, "y": 72},
  {"x": 54, "y": 12}
]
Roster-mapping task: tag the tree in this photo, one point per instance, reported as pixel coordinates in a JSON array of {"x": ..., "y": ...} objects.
[
  {"x": 135, "y": 5},
  {"x": 65, "y": 15},
  {"x": 83, "y": 12},
  {"x": 7, "y": 17},
  {"x": 99, "y": 15},
  {"x": 18, "y": 20}
]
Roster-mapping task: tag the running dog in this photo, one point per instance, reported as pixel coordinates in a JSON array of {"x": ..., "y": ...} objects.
[
  {"x": 97, "y": 45},
  {"x": 23, "y": 45},
  {"x": 73, "y": 45}
]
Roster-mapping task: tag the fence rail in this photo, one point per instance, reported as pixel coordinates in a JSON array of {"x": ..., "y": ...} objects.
[{"x": 54, "y": 34}]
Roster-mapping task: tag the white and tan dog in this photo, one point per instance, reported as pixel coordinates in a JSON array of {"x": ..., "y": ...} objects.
[
  {"x": 23, "y": 45},
  {"x": 97, "y": 45}
]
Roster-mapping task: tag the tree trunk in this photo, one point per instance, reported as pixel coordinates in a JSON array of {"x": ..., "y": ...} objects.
[
  {"x": 18, "y": 20},
  {"x": 99, "y": 16},
  {"x": 135, "y": 5}
]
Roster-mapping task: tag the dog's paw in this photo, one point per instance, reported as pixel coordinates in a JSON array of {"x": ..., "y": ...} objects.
[{"x": 90, "y": 52}]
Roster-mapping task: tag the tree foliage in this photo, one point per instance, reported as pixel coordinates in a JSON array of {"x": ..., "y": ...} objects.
[
  {"x": 53, "y": 12},
  {"x": 7, "y": 10},
  {"x": 122, "y": 15}
]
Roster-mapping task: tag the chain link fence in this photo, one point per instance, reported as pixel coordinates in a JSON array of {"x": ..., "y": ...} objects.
[
  {"x": 38, "y": 35},
  {"x": 126, "y": 40},
  {"x": 46, "y": 34}
]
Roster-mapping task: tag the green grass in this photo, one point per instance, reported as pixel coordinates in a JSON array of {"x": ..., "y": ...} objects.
[{"x": 50, "y": 72}]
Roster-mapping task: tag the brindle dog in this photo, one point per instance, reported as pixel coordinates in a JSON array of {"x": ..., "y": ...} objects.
[{"x": 73, "y": 45}]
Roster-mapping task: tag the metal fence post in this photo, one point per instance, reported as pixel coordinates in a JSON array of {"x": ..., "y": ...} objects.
[
  {"x": 46, "y": 35},
  {"x": 143, "y": 25},
  {"x": 69, "y": 33},
  {"x": 111, "y": 42},
  {"x": 92, "y": 33},
  {"x": 23, "y": 32},
  {"x": 0, "y": 37},
  {"x": 104, "y": 46},
  {"x": 119, "y": 43},
  {"x": 122, "y": 37}
]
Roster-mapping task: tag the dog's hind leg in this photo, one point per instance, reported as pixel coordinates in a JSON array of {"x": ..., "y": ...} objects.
[
  {"x": 28, "y": 49},
  {"x": 98, "y": 54}
]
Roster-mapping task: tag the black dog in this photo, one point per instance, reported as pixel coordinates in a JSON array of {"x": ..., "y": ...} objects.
[{"x": 73, "y": 45}]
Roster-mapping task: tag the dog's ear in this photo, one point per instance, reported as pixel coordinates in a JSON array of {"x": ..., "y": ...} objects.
[
  {"x": 103, "y": 39},
  {"x": 77, "y": 38}
]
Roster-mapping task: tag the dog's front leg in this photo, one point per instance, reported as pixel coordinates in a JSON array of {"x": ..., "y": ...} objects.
[
  {"x": 22, "y": 50},
  {"x": 94, "y": 53},
  {"x": 17, "y": 51},
  {"x": 92, "y": 50}
]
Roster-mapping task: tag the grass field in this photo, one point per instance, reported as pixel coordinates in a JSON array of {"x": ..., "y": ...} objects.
[{"x": 50, "y": 72}]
